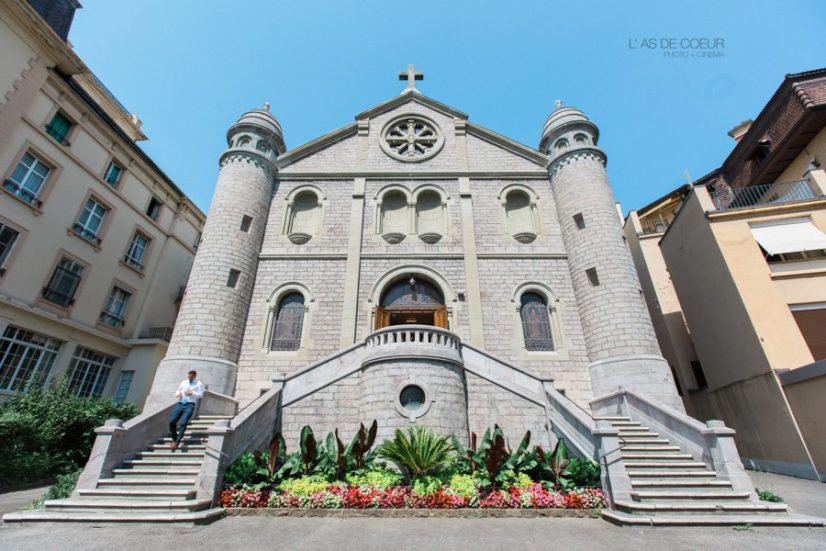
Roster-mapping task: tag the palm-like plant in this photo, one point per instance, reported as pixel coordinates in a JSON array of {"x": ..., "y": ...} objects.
[{"x": 419, "y": 451}]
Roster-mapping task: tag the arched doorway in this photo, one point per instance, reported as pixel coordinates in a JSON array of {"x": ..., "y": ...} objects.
[{"x": 413, "y": 301}]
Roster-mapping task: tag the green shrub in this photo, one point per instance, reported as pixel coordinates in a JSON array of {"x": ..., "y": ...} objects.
[
  {"x": 418, "y": 452},
  {"x": 62, "y": 488},
  {"x": 463, "y": 485},
  {"x": 304, "y": 486},
  {"x": 242, "y": 471},
  {"x": 426, "y": 485},
  {"x": 584, "y": 474},
  {"x": 381, "y": 479},
  {"x": 47, "y": 432},
  {"x": 768, "y": 495}
]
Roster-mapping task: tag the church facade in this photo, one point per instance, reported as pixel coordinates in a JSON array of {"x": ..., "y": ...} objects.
[{"x": 380, "y": 263}]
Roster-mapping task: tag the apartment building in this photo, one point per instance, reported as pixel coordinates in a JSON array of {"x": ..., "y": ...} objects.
[
  {"x": 96, "y": 242},
  {"x": 733, "y": 269}
]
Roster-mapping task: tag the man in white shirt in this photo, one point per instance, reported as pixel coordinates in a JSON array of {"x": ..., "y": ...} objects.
[{"x": 188, "y": 393}]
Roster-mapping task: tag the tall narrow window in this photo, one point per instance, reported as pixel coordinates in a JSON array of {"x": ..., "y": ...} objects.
[
  {"x": 289, "y": 321},
  {"x": 232, "y": 279},
  {"x": 114, "y": 312},
  {"x": 8, "y": 237},
  {"x": 536, "y": 324},
  {"x": 137, "y": 250},
  {"x": 89, "y": 371},
  {"x": 394, "y": 217},
  {"x": 124, "y": 383},
  {"x": 63, "y": 283},
  {"x": 246, "y": 222},
  {"x": 59, "y": 127},
  {"x": 113, "y": 173},
  {"x": 27, "y": 179},
  {"x": 429, "y": 213},
  {"x": 91, "y": 219},
  {"x": 25, "y": 358},
  {"x": 153, "y": 210}
]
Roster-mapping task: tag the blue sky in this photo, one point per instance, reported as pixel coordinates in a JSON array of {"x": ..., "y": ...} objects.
[{"x": 189, "y": 68}]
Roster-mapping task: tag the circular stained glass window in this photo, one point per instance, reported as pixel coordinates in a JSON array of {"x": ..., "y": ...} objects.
[
  {"x": 411, "y": 138},
  {"x": 412, "y": 397}
]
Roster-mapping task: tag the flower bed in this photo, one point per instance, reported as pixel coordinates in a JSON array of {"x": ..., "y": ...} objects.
[{"x": 345, "y": 496}]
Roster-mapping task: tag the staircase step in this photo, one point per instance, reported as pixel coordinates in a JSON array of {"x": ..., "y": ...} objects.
[
  {"x": 120, "y": 473},
  {"x": 688, "y": 495},
  {"x": 704, "y": 484},
  {"x": 609, "y": 418},
  {"x": 638, "y": 441},
  {"x": 146, "y": 481},
  {"x": 139, "y": 493},
  {"x": 117, "y": 505},
  {"x": 662, "y": 457},
  {"x": 620, "y": 424},
  {"x": 194, "y": 517},
  {"x": 191, "y": 447},
  {"x": 162, "y": 463},
  {"x": 170, "y": 453},
  {"x": 665, "y": 464},
  {"x": 635, "y": 447},
  {"x": 640, "y": 434},
  {"x": 672, "y": 474},
  {"x": 620, "y": 517},
  {"x": 708, "y": 506},
  {"x": 216, "y": 417}
]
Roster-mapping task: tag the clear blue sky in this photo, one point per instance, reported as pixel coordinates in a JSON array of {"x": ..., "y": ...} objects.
[{"x": 189, "y": 68}]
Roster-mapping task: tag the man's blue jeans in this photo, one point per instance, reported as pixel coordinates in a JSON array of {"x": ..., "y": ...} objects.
[{"x": 179, "y": 419}]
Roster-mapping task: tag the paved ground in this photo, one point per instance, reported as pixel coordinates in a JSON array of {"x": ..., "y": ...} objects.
[
  {"x": 367, "y": 534},
  {"x": 14, "y": 501}
]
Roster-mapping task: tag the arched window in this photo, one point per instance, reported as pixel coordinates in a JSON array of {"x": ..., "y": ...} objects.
[
  {"x": 518, "y": 212},
  {"x": 288, "y": 323},
  {"x": 581, "y": 138},
  {"x": 536, "y": 324},
  {"x": 306, "y": 213},
  {"x": 429, "y": 213},
  {"x": 243, "y": 141},
  {"x": 394, "y": 217},
  {"x": 561, "y": 143}
]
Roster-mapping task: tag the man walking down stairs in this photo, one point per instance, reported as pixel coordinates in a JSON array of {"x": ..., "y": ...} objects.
[{"x": 158, "y": 485}]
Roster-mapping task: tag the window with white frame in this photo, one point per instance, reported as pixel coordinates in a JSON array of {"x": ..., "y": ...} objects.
[
  {"x": 64, "y": 283},
  {"x": 28, "y": 177},
  {"x": 8, "y": 237},
  {"x": 88, "y": 372},
  {"x": 113, "y": 173},
  {"x": 137, "y": 251},
  {"x": 114, "y": 312},
  {"x": 25, "y": 358},
  {"x": 90, "y": 222},
  {"x": 124, "y": 383}
]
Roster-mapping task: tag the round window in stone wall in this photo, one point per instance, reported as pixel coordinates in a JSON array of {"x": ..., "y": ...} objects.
[
  {"x": 412, "y": 398},
  {"x": 411, "y": 138}
]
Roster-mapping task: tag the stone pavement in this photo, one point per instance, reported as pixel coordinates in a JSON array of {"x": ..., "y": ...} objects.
[
  {"x": 14, "y": 501},
  {"x": 367, "y": 534}
]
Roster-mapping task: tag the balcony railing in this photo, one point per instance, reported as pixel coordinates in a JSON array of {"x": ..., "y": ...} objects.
[
  {"x": 764, "y": 194},
  {"x": 412, "y": 341},
  {"x": 161, "y": 333}
]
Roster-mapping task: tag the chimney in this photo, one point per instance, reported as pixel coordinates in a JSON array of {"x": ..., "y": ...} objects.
[
  {"x": 740, "y": 130},
  {"x": 58, "y": 14}
]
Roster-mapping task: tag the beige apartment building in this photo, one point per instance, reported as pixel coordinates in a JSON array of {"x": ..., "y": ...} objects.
[
  {"x": 96, "y": 242},
  {"x": 733, "y": 269}
]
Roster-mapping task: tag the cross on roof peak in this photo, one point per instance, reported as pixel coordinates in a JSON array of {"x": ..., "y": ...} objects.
[{"x": 411, "y": 75}]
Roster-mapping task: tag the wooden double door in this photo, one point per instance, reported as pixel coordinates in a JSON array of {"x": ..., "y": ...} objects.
[{"x": 400, "y": 315}]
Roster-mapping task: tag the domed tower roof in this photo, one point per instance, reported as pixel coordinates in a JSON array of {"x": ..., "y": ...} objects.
[
  {"x": 259, "y": 121},
  {"x": 562, "y": 120}
]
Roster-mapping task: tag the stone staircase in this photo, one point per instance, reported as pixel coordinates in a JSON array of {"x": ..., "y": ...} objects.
[
  {"x": 158, "y": 485},
  {"x": 670, "y": 488}
]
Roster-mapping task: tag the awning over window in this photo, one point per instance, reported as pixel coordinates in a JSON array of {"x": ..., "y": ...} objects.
[{"x": 789, "y": 236}]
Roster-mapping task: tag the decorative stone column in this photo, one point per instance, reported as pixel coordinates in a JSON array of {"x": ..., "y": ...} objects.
[
  {"x": 211, "y": 321},
  {"x": 622, "y": 346}
]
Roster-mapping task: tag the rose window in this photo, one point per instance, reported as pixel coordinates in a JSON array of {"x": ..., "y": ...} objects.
[{"x": 411, "y": 138}]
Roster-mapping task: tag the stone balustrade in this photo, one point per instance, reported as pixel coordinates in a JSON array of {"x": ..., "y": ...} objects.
[{"x": 413, "y": 341}]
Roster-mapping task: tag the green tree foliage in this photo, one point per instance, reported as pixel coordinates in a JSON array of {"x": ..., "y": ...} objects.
[
  {"x": 48, "y": 432},
  {"x": 418, "y": 452}
]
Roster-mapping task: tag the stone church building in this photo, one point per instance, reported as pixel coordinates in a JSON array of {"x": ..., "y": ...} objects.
[{"x": 400, "y": 247}]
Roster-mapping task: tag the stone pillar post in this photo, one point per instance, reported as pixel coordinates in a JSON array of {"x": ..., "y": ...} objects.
[
  {"x": 622, "y": 346},
  {"x": 211, "y": 321}
]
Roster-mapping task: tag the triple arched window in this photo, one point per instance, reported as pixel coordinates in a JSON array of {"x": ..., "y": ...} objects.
[{"x": 400, "y": 212}]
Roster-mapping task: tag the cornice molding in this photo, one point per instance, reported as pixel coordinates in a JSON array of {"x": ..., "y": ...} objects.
[{"x": 573, "y": 155}]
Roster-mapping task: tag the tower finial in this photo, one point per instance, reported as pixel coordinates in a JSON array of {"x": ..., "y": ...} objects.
[
  {"x": 267, "y": 106},
  {"x": 558, "y": 103},
  {"x": 411, "y": 75}
]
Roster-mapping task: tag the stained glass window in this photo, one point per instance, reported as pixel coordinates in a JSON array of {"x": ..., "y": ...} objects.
[
  {"x": 289, "y": 320},
  {"x": 419, "y": 294},
  {"x": 536, "y": 323}
]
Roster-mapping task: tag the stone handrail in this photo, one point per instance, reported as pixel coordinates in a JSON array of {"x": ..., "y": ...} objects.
[
  {"x": 213, "y": 403},
  {"x": 572, "y": 423},
  {"x": 117, "y": 441},
  {"x": 251, "y": 429},
  {"x": 321, "y": 374},
  {"x": 711, "y": 443},
  {"x": 503, "y": 374}
]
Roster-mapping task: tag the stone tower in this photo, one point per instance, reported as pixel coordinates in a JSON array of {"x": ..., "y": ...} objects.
[
  {"x": 210, "y": 325},
  {"x": 622, "y": 346}
]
